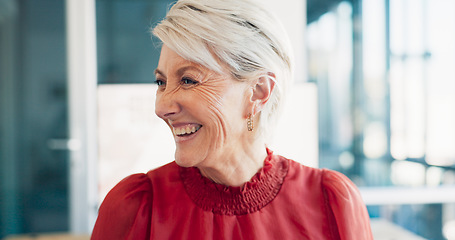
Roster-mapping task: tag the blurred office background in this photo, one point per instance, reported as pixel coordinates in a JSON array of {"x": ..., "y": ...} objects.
[{"x": 377, "y": 79}]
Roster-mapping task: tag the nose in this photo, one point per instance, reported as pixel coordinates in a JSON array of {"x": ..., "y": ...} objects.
[{"x": 166, "y": 105}]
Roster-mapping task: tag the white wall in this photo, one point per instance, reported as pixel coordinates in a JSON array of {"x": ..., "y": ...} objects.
[
  {"x": 296, "y": 135},
  {"x": 292, "y": 14}
]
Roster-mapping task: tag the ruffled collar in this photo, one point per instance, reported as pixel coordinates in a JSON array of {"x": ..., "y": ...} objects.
[{"x": 252, "y": 196}]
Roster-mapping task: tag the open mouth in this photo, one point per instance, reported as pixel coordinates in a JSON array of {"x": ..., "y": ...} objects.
[{"x": 187, "y": 130}]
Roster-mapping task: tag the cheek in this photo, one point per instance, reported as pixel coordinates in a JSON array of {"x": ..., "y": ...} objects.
[{"x": 214, "y": 105}]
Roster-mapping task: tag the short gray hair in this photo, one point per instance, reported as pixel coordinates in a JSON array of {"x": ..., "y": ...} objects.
[{"x": 242, "y": 34}]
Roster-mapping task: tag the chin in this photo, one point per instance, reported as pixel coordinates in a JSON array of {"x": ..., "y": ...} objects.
[
  {"x": 184, "y": 160},
  {"x": 183, "y": 163}
]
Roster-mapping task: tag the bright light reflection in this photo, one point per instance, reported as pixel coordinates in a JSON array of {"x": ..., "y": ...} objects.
[
  {"x": 346, "y": 160},
  {"x": 414, "y": 27},
  {"x": 405, "y": 173},
  {"x": 375, "y": 140},
  {"x": 397, "y": 28},
  {"x": 449, "y": 230},
  {"x": 415, "y": 99},
  {"x": 441, "y": 84},
  {"x": 434, "y": 176},
  {"x": 397, "y": 107},
  {"x": 374, "y": 57},
  {"x": 327, "y": 25}
]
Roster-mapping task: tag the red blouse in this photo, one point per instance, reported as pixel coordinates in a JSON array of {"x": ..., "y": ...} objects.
[{"x": 284, "y": 200}]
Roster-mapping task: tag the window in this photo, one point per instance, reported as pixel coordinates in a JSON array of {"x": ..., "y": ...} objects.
[{"x": 386, "y": 106}]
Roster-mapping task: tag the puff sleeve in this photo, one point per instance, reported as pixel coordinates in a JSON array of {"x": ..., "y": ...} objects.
[
  {"x": 346, "y": 206},
  {"x": 126, "y": 211}
]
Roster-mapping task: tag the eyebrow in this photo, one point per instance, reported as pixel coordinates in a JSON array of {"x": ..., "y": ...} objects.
[
  {"x": 180, "y": 71},
  {"x": 159, "y": 72}
]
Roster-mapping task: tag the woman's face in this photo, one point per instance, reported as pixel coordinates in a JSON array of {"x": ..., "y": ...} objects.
[{"x": 205, "y": 110}]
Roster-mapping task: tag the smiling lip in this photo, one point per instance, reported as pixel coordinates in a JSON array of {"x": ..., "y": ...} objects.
[{"x": 185, "y": 131}]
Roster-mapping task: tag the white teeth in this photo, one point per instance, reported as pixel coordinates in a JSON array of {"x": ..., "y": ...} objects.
[{"x": 186, "y": 130}]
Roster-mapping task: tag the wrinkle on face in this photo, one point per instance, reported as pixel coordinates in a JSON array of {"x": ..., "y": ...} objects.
[
  {"x": 216, "y": 102},
  {"x": 212, "y": 90}
]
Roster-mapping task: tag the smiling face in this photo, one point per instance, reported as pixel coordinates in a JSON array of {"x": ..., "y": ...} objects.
[{"x": 205, "y": 110}]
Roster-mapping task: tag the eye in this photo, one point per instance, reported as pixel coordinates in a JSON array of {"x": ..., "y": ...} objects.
[
  {"x": 189, "y": 81},
  {"x": 159, "y": 82}
]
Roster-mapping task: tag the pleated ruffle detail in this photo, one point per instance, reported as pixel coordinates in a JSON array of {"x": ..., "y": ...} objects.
[{"x": 251, "y": 197}]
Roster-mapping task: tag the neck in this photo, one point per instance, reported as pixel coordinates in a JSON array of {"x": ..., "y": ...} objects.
[{"x": 239, "y": 165}]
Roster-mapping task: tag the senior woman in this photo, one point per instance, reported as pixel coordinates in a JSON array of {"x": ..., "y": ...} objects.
[{"x": 221, "y": 78}]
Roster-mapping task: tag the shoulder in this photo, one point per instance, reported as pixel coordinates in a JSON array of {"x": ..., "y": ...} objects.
[
  {"x": 337, "y": 184},
  {"x": 310, "y": 177},
  {"x": 126, "y": 210},
  {"x": 346, "y": 213},
  {"x": 163, "y": 172},
  {"x": 345, "y": 206},
  {"x": 339, "y": 190},
  {"x": 332, "y": 182},
  {"x": 133, "y": 185},
  {"x": 137, "y": 187},
  {"x": 127, "y": 204}
]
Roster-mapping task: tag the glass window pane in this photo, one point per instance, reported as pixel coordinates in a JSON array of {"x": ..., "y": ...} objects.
[
  {"x": 441, "y": 84},
  {"x": 34, "y": 121},
  {"x": 125, "y": 52},
  {"x": 402, "y": 101},
  {"x": 415, "y": 107}
]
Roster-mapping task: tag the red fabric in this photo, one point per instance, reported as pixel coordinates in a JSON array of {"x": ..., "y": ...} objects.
[{"x": 285, "y": 200}]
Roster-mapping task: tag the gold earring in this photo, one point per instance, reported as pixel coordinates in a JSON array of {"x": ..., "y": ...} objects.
[{"x": 249, "y": 122}]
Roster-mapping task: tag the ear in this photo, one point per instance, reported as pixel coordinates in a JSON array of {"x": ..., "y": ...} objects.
[{"x": 262, "y": 90}]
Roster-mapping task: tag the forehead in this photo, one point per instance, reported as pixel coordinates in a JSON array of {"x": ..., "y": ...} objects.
[
  {"x": 170, "y": 60},
  {"x": 168, "y": 56}
]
